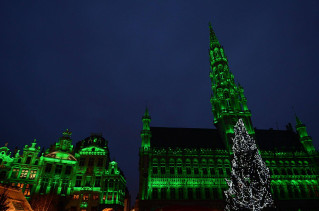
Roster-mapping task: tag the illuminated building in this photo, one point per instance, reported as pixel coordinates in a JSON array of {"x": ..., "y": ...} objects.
[
  {"x": 184, "y": 168},
  {"x": 85, "y": 173}
]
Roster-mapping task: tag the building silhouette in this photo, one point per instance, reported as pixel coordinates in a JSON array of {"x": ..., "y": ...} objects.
[
  {"x": 185, "y": 168},
  {"x": 81, "y": 178}
]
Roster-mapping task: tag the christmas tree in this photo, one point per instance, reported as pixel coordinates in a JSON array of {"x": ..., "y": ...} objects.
[{"x": 249, "y": 185}]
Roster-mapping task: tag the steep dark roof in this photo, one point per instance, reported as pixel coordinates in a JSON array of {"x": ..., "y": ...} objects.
[
  {"x": 186, "y": 138},
  {"x": 164, "y": 137},
  {"x": 283, "y": 140}
]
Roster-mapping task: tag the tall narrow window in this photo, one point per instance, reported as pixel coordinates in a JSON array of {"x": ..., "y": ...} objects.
[
  {"x": 91, "y": 162},
  {"x": 33, "y": 173},
  {"x": 97, "y": 181},
  {"x": 190, "y": 193},
  {"x": 48, "y": 168},
  {"x": 207, "y": 193},
  {"x": 15, "y": 172},
  {"x": 173, "y": 197},
  {"x": 78, "y": 181},
  {"x": 155, "y": 193},
  {"x": 180, "y": 194},
  {"x": 198, "y": 193}
]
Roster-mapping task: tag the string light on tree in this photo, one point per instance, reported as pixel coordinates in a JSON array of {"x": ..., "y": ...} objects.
[{"x": 249, "y": 185}]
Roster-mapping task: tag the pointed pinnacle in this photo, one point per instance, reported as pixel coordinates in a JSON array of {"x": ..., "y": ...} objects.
[
  {"x": 146, "y": 113},
  {"x": 298, "y": 120},
  {"x": 212, "y": 34}
]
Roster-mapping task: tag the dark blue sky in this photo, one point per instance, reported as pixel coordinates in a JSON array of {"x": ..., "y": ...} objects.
[{"x": 93, "y": 66}]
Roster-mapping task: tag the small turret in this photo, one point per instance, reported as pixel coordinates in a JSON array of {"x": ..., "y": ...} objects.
[
  {"x": 146, "y": 132},
  {"x": 304, "y": 138}
]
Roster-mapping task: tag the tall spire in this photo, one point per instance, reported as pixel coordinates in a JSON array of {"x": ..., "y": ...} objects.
[
  {"x": 146, "y": 132},
  {"x": 228, "y": 101},
  {"x": 212, "y": 36}
]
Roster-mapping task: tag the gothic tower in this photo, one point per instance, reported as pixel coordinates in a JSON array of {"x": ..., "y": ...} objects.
[{"x": 228, "y": 100}]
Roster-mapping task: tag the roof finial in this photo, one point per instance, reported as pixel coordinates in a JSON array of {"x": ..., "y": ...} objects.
[{"x": 212, "y": 35}]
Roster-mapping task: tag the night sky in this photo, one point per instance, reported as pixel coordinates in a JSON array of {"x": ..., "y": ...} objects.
[{"x": 94, "y": 66}]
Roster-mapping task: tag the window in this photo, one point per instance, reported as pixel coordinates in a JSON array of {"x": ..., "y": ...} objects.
[
  {"x": 48, "y": 168},
  {"x": 180, "y": 193},
  {"x": 220, "y": 171},
  {"x": 15, "y": 172},
  {"x": 283, "y": 171},
  {"x": 190, "y": 193},
  {"x": 95, "y": 197},
  {"x": 205, "y": 171},
  {"x": 198, "y": 193},
  {"x": 76, "y": 196},
  {"x": 163, "y": 193},
  {"x": 85, "y": 197},
  {"x": 27, "y": 190},
  {"x": 215, "y": 193},
  {"x": 58, "y": 169},
  {"x": 309, "y": 172},
  {"x": 171, "y": 170},
  {"x": 33, "y": 173},
  {"x": 207, "y": 193},
  {"x": 24, "y": 173},
  {"x": 68, "y": 170},
  {"x": 155, "y": 193},
  {"x": 109, "y": 196},
  {"x": 173, "y": 193},
  {"x": 228, "y": 171},
  {"x": 100, "y": 162},
  {"x": 78, "y": 181},
  {"x": 179, "y": 170},
  {"x": 212, "y": 171},
  {"x": 155, "y": 170},
  {"x": 82, "y": 161},
  {"x": 64, "y": 187},
  {"x": 196, "y": 171},
  {"x": 97, "y": 181},
  {"x": 88, "y": 181},
  {"x": 188, "y": 170},
  {"x": 162, "y": 170},
  {"x": 91, "y": 162}
]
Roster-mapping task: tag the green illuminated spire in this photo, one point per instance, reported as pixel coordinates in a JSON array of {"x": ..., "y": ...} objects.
[
  {"x": 146, "y": 132},
  {"x": 305, "y": 139},
  {"x": 228, "y": 100}
]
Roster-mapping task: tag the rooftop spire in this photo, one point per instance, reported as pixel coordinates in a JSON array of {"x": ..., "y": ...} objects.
[
  {"x": 146, "y": 113},
  {"x": 212, "y": 35},
  {"x": 298, "y": 120}
]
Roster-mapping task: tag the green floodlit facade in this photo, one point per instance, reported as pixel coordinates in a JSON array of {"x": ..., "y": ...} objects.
[
  {"x": 84, "y": 175},
  {"x": 185, "y": 168}
]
